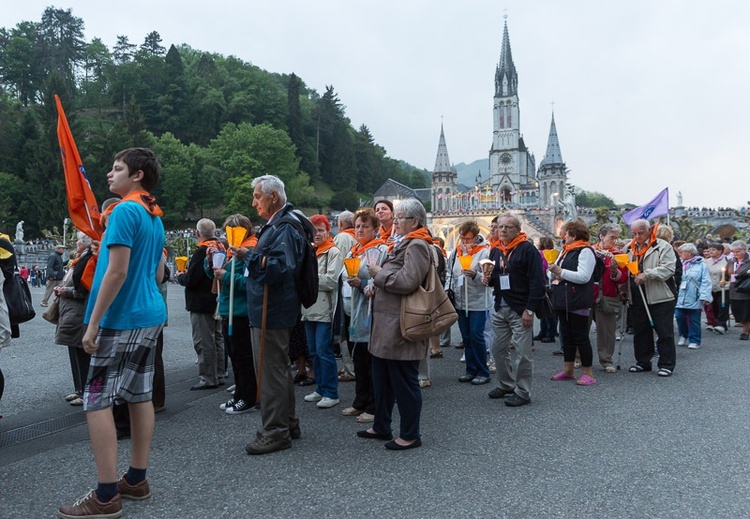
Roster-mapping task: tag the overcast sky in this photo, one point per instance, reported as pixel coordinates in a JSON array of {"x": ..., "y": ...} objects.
[{"x": 647, "y": 94}]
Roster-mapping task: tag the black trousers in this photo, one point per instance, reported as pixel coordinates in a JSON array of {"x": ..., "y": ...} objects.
[
  {"x": 395, "y": 382},
  {"x": 574, "y": 332},
  {"x": 79, "y": 366},
  {"x": 643, "y": 337},
  {"x": 241, "y": 354},
  {"x": 721, "y": 313},
  {"x": 364, "y": 399}
]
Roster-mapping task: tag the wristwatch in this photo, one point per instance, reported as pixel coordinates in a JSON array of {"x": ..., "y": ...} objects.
[{"x": 529, "y": 312}]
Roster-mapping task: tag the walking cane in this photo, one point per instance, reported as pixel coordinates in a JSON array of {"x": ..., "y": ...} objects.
[
  {"x": 645, "y": 305},
  {"x": 264, "y": 315},
  {"x": 623, "y": 330}
]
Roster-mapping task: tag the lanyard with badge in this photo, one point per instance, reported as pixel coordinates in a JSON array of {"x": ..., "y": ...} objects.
[{"x": 504, "y": 278}]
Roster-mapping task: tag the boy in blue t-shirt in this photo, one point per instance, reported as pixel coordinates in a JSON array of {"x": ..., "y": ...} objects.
[{"x": 125, "y": 314}]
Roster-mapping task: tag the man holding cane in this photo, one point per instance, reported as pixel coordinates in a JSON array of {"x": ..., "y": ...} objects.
[
  {"x": 652, "y": 300},
  {"x": 273, "y": 271}
]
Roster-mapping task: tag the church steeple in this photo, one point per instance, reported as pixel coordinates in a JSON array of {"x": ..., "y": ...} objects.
[
  {"x": 553, "y": 155},
  {"x": 506, "y": 77},
  {"x": 442, "y": 163}
]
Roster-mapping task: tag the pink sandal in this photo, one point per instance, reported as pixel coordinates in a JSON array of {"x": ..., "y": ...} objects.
[
  {"x": 562, "y": 376},
  {"x": 586, "y": 380}
]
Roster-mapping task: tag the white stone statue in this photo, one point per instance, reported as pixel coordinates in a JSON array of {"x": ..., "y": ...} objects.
[
  {"x": 19, "y": 231},
  {"x": 569, "y": 205}
]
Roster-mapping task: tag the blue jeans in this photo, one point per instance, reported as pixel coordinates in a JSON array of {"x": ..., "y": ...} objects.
[
  {"x": 320, "y": 344},
  {"x": 475, "y": 349},
  {"x": 689, "y": 324}
]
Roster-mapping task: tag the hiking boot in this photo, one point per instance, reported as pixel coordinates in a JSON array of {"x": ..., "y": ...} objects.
[
  {"x": 90, "y": 506},
  {"x": 263, "y": 445},
  {"x": 136, "y": 492}
]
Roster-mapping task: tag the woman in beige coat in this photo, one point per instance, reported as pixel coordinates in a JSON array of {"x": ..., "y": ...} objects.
[{"x": 395, "y": 361}]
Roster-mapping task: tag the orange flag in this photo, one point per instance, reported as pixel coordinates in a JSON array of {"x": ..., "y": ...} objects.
[{"x": 82, "y": 205}]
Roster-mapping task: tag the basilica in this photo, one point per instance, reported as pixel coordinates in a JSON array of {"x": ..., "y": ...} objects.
[{"x": 514, "y": 181}]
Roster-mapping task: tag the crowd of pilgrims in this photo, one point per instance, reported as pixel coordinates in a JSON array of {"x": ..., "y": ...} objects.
[{"x": 584, "y": 282}]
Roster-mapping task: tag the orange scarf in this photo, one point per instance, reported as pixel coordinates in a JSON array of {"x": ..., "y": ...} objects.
[
  {"x": 513, "y": 244},
  {"x": 651, "y": 241},
  {"x": 419, "y": 234},
  {"x": 578, "y": 244},
  {"x": 87, "y": 277},
  {"x": 386, "y": 235},
  {"x": 359, "y": 249},
  {"x": 350, "y": 232},
  {"x": 493, "y": 242},
  {"x": 141, "y": 197},
  {"x": 206, "y": 243},
  {"x": 248, "y": 243},
  {"x": 323, "y": 247},
  {"x": 476, "y": 249}
]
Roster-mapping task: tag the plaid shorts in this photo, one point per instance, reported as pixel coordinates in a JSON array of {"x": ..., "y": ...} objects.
[{"x": 122, "y": 368}]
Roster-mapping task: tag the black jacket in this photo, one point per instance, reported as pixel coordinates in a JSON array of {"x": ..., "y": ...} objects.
[
  {"x": 524, "y": 266},
  {"x": 198, "y": 295},
  {"x": 55, "y": 266}
]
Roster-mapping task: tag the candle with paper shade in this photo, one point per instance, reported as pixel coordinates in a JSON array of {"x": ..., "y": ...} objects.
[
  {"x": 621, "y": 259},
  {"x": 181, "y": 262},
  {"x": 352, "y": 266},
  {"x": 235, "y": 236},
  {"x": 551, "y": 255},
  {"x": 723, "y": 287},
  {"x": 372, "y": 256},
  {"x": 488, "y": 266},
  {"x": 465, "y": 261},
  {"x": 633, "y": 267}
]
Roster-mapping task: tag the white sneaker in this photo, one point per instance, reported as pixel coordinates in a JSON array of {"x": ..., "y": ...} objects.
[
  {"x": 693, "y": 346},
  {"x": 720, "y": 330},
  {"x": 682, "y": 341},
  {"x": 463, "y": 358},
  {"x": 710, "y": 328},
  {"x": 231, "y": 388},
  {"x": 326, "y": 402},
  {"x": 313, "y": 397}
]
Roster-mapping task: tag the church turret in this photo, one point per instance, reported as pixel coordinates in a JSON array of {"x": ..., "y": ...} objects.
[
  {"x": 444, "y": 179},
  {"x": 552, "y": 175},
  {"x": 506, "y": 77}
]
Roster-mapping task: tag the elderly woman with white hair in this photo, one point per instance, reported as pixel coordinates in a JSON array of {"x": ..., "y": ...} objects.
[
  {"x": 738, "y": 271},
  {"x": 695, "y": 291},
  {"x": 395, "y": 360},
  {"x": 72, "y": 295}
]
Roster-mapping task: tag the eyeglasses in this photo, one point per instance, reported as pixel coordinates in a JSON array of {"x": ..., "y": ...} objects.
[{"x": 468, "y": 237}]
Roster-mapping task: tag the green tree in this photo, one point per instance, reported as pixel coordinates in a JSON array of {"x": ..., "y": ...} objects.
[
  {"x": 19, "y": 68},
  {"x": 62, "y": 44},
  {"x": 152, "y": 44},
  {"x": 123, "y": 50},
  {"x": 176, "y": 183}
]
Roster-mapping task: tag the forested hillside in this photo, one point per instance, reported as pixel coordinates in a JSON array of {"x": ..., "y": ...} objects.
[{"x": 214, "y": 121}]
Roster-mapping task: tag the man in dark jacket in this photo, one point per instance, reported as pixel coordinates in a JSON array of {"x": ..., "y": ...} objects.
[
  {"x": 518, "y": 285},
  {"x": 55, "y": 272},
  {"x": 273, "y": 269},
  {"x": 201, "y": 303}
]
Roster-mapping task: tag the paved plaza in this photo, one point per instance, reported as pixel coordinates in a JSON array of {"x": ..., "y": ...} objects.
[{"x": 634, "y": 445}]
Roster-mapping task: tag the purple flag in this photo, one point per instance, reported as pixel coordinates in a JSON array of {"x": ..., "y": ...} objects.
[{"x": 659, "y": 206}]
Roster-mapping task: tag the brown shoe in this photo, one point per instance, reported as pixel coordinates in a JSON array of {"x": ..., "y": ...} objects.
[
  {"x": 90, "y": 506},
  {"x": 136, "y": 492}
]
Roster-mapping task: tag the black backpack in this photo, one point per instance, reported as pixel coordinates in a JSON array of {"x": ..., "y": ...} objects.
[{"x": 307, "y": 275}]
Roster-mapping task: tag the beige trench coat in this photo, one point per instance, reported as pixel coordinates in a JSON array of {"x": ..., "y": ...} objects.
[{"x": 404, "y": 270}]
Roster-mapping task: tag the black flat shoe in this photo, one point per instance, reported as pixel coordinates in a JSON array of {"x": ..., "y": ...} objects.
[
  {"x": 374, "y": 436},
  {"x": 393, "y": 446},
  {"x": 307, "y": 381},
  {"x": 201, "y": 386},
  {"x": 466, "y": 378}
]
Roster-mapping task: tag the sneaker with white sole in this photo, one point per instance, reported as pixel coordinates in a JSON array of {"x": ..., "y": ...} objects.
[
  {"x": 240, "y": 407},
  {"x": 720, "y": 330},
  {"x": 682, "y": 341},
  {"x": 710, "y": 328},
  {"x": 313, "y": 397},
  {"x": 463, "y": 358},
  {"x": 693, "y": 346},
  {"x": 231, "y": 388},
  {"x": 226, "y": 405},
  {"x": 326, "y": 403}
]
